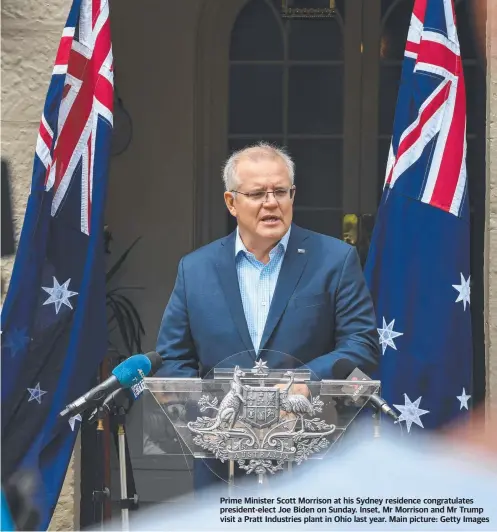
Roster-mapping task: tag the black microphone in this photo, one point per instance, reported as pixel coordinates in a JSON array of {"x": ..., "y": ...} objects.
[
  {"x": 125, "y": 397},
  {"x": 129, "y": 372},
  {"x": 345, "y": 369}
]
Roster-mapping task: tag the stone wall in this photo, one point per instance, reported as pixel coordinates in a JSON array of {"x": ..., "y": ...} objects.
[
  {"x": 491, "y": 207},
  {"x": 30, "y": 35},
  {"x": 66, "y": 515}
]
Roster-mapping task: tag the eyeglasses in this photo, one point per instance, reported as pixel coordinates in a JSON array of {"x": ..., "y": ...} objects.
[{"x": 261, "y": 196}]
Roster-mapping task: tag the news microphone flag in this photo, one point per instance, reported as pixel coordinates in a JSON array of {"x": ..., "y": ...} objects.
[
  {"x": 418, "y": 268},
  {"x": 54, "y": 326}
]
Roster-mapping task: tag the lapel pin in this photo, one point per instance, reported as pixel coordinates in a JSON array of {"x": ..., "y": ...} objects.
[{"x": 300, "y": 250}]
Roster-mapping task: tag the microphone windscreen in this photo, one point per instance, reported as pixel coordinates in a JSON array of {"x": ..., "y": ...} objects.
[
  {"x": 156, "y": 361},
  {"x": 342, "y": 368},
  {"x": 132, "y": 370}
]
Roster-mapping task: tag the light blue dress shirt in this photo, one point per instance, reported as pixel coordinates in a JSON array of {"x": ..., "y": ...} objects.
[{"x": 257, "y": 282}]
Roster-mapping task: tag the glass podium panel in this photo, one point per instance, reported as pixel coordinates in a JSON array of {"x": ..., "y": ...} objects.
[{"x": 260, "y": 418}]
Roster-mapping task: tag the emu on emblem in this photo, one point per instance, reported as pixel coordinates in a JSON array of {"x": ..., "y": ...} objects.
[{"x": 261, "y": 407}]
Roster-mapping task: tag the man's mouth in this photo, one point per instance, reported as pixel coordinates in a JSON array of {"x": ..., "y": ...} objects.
[{"x": 269, "y": 219}]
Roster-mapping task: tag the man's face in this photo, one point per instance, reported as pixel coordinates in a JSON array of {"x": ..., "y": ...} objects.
[{"x": 260, "y": 219}]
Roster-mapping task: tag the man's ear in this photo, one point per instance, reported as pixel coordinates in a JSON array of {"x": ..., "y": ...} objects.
[{"x": 230, "y": 203}]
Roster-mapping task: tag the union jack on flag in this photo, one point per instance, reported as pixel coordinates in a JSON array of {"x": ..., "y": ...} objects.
[
  {"x": 54, "y": 327},
  {"x": 418, "y": 264},
  {"x": 82, "y": 86}
]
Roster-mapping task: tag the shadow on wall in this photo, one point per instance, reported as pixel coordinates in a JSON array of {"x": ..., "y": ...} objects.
[{"x": 8, "y": 244}]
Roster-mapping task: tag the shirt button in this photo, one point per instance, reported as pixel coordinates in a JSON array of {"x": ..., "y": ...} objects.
[{"x": 263, "y": 303}]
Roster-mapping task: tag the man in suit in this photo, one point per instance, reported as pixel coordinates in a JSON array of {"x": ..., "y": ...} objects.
[{"x": 270, "y": 290}]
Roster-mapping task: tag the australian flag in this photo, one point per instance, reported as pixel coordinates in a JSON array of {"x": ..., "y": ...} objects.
[
  {"x": 418, "y": 263},
  {"x": 54, "y": 328}
]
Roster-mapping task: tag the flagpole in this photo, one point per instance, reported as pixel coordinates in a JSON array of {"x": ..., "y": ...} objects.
[{"x": 105, "y": 449}]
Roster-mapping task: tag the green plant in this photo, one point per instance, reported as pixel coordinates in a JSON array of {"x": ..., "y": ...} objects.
[{"x": 122, "y": 313}]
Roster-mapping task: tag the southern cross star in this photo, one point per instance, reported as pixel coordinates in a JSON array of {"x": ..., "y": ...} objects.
[
  {"x": 387, "y": 334},
  {"x": 463, "y": 399},
  {"x": 73, "y": 419},
  {"x": 59, "y": 294},
  {"x": 410, "y": 412},
  {"x": 35, "y": 394},
  {"x": 464, "y": 290},
  {"x": 16, "y": 340}
]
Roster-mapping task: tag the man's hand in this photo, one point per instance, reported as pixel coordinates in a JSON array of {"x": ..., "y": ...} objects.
[{"x": 167, "y": 398}]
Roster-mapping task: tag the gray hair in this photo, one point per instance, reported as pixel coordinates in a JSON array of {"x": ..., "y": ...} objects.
[{"x": 262, "y": 150}]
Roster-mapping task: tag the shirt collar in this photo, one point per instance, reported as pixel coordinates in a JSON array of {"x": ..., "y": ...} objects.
[{"x": 240, "y": 246}]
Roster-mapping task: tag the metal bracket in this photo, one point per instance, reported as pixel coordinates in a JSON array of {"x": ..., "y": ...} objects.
[{"x": 357, "y": 231}]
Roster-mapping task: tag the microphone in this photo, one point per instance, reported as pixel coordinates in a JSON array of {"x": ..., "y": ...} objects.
[
  {"x": 125, "y": 397},
  {"x": 345, "y": 369},
  {"x": 129, "y": 372}
]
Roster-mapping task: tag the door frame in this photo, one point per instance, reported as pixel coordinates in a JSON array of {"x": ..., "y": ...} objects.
[
  {"x": 214, "y": 25},
  {"x": 360, "y": 155}
]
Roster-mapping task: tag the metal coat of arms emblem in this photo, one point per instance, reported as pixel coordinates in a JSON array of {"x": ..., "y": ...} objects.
[
  {"x": 261, "y": 427},
  {"x": 261, "y": 406}
]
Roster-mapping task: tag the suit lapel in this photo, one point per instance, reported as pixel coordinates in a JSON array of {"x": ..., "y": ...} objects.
[
  {"x": 228, "y": 277},
  {"x": 291, "y": 270}
]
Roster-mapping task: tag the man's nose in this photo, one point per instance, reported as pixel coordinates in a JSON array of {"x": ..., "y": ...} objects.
[{"x": 270, "y": 199}]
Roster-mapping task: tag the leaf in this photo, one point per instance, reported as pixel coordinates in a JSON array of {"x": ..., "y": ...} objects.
[
  {"x": 111, "y": 344},
  {"x": 123, "y": 314},
  {"x": 110, "y": 274},
  {"x": 131, "y": 326},
  {"x": 118, "y": 313},
  {"x": 111, "y": 319},
  {"x": 133, "y": 310},
  {"x": 123, "y": 329},
  {"x": 137, "y": 325},
  {"x": 132, "y": 319},
  {"x": 118, "y": 288},
  {"x": 111, "y": 316}
]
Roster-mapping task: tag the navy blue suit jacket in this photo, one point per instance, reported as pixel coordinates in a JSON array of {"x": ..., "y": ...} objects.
[{"x": 321, "y": 311}]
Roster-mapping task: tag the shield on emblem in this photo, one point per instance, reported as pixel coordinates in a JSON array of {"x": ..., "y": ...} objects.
[{"x": 261, "y": 407}]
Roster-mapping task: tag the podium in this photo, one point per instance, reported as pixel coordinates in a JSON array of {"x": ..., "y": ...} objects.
[{"x": 257, "y": 419}]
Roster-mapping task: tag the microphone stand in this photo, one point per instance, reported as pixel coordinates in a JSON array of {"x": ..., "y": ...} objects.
[
  {"x": 119, "y": 410},
  {"x": 101, "y": 491},
  {"x": 121, "y": 435}
]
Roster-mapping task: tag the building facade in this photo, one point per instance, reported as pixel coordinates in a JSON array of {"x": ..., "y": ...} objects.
[{"x": 197, "y": 81}]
